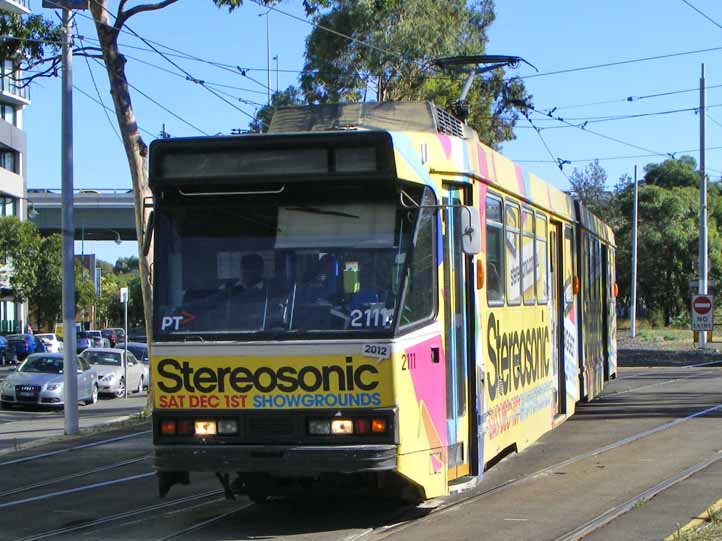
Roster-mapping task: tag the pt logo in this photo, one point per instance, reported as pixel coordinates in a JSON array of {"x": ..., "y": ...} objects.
[{"x": 176, "y": 322}]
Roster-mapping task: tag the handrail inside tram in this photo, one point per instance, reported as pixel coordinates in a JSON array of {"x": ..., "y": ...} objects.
[{"x": 253, "y": 192}]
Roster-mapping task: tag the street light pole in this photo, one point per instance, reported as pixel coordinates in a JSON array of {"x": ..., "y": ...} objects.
[
  {"x": 70, "y": 376},
  {"x": 702, "y": 202}
]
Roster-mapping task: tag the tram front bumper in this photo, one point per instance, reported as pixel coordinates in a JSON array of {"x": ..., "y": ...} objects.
[{"x": 290, "y": 460}]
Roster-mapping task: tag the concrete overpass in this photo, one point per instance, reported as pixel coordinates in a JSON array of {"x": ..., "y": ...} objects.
[{"x": 98, "y": 214}]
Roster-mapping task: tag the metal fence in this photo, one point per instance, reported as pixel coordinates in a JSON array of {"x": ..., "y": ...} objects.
[{"x": 11, "y": 326}]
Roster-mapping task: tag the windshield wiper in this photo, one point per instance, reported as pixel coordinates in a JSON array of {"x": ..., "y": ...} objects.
[{"x": 316, "y": 210}]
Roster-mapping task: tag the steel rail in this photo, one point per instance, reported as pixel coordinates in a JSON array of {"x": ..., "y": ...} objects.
[
  {"x": 120, "y": 516},
  {"x": 204, "y": 523},
  {"x": 74, "y": 448},
  {"x": 384, "y": 532},
  {"x": 616, "y": 511},
  {"x": 42, "y": 484}
]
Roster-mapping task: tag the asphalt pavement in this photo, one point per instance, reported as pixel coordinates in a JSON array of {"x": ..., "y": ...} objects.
[{"x": 22, "y": 426}]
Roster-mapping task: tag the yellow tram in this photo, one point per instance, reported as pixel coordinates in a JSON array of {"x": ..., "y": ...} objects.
[{"x": 366, "y": 294}]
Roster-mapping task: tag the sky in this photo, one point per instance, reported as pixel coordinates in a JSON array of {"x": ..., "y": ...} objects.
[{"x": 558, "y": 36}]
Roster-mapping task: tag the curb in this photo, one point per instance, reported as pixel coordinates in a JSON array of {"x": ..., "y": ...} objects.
[
  {"x": 696, "y": 522},
  {"x": 112, "y": 424}
]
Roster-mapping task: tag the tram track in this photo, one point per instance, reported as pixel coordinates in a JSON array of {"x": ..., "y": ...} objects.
[
  {"x": 63, "y": 450},
  {"x": 597, "y": 522},
  {"x": 609, "y": 515},
  {"x": 102, "y": 521},
  {"x": 70, "y": 477}
]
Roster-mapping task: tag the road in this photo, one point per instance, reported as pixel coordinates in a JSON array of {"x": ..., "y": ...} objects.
[
  {"x": 20, "y": 427},
  {"x": 635, "y": 464}
]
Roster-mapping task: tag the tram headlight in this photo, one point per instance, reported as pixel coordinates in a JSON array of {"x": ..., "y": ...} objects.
[
  {"x": 227, "y": 426},
  {"x": 206, "y": 428},
  {"x": 319, "y": 427},
  {"x": 342, "y": 426}
]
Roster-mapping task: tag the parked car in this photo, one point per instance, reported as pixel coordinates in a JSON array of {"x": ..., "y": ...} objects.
[
  {"x": 90, "y": 339},
  {"x": 52, "y": 341},
  {"x": 108, "y": 363},
  {"x": 24, "y": 344},
  {"x": 140, "y": 350},
  {"x": 39, "y": 382},
  {"x": 114, "y": 335},
  {"x": 137, "y": 335},
  {"x": 99, "y": 341}
]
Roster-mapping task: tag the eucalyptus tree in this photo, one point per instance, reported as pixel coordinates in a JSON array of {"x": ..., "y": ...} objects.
[{"x": 385, "y": 50}]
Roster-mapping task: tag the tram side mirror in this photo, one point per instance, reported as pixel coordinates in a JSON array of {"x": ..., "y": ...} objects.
[
  {"x": 470, "y": 230},
  {"x": 148, "y": 233},
  {"x": 350, "y": 278}
]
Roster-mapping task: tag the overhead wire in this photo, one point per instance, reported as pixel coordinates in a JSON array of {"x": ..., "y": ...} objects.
[
  {"x": 95, "y": 85},
  {"x": 93, "y": 99},
  {"x": 710, "y": 19}
]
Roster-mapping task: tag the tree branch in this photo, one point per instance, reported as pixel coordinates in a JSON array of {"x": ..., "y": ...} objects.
[{"x": 123, "y": 16}]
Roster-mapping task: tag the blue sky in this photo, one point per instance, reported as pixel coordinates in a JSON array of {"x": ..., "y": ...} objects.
[{"x": 558, "y": 35}]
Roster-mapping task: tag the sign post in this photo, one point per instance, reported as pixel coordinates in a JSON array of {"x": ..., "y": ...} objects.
[
  {"x": 702, "y": 313},
  {"x": 124, "y": 300}
]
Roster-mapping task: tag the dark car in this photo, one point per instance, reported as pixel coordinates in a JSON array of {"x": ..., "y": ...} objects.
[
  {"x": 4, "y": 355},
  {"x": 24, "y": 344},
  {"x": 113, "y": 336}
]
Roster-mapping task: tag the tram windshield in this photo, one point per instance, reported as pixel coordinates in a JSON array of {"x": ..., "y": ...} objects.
[{"x": 282, "y": 265}]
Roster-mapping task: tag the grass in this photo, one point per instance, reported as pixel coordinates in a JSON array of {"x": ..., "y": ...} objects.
[{"x": 709, "y": 530}]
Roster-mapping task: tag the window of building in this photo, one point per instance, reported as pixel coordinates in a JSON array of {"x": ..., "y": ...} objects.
[
  {"x": 8, "y": 113},
  {"x": 494, "y": 252},
  {"x": 528, "y": 265},
  {"x": 512, "y": 252},
  {"x": 9, "y": 159},
  {"x": 542, "y": 260}
]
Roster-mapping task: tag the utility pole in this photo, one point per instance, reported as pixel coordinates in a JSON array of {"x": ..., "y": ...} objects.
[
  {"x": 276, "y": 59},
  {"x": 633, "y": 307},
  {"x": 702, "y": 202},
  {"x": 70, "y": 374}
]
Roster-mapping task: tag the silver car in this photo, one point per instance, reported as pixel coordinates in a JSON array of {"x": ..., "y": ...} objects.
[
  {"x": 108, "y": 363},
  {"x": 39, "y": 382}
]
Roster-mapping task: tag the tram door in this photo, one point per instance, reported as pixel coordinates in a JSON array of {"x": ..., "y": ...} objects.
[
  {"x": 456, "y": 340},
  {"x": 556, "y": 276}
]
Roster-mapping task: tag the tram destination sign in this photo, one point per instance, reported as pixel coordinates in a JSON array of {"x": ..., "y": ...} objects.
[{"x": 702, "y": 313}]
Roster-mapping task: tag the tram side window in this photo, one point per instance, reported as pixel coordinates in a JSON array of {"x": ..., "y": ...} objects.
[
  {"x": 568, "y": 245},
  {"x": 527, "y": 257},
  {"x": 420, "y": 301},
  {"x": 494, "y": 252},
  {"x": 513, "y": 259},
  {"x": 542, "y": 259}
]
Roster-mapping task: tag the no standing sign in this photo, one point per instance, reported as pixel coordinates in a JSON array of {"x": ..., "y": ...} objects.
[{"x": 702, "y": 313}]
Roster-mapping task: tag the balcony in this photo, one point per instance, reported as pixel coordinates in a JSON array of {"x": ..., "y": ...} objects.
[
  {"x": 15, "y": 6},
  {"x": 12, "y": 92}
]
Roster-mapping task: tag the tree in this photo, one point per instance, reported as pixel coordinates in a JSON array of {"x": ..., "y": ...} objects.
[
  {"x": 390, "y": 55},
  {"x": 680, "y": 173},
  {"x": 589, "y": 186},
  {"x": 285, "y": 98},
  {"x": 47, "y": 297},
  {"x": 667, "y": 247},
  {"x": 19, "y": 248},
  {"x": 126, "y": 264}
]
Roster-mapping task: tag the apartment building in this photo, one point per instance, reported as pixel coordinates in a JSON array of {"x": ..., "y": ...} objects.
[{"x": 13, "y": 168}]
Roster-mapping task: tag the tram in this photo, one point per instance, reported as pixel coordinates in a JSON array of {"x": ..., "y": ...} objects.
[{"x": 367, "y": 295}]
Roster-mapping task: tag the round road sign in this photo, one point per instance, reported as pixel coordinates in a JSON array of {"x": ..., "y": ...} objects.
[{"x": 702, "y": 305}]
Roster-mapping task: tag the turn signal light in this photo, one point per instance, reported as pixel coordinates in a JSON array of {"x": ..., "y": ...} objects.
[
  {"x": 167, "y": 427},
  {"x": 616, "y": 289},
  {"x": 479, "y": 274},
  {"x": 378, "y": 426},
  {"x": 576, "y": 285}
]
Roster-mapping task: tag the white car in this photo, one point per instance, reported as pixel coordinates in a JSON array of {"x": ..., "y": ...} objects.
[{"x": 52, "y": 341}]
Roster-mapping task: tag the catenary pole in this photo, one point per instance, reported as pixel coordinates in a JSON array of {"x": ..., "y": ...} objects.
[
  {"x": 70, "y": 375},
  {"x": 702, "y": 201},
  {"x": 633, "y": 307}
]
